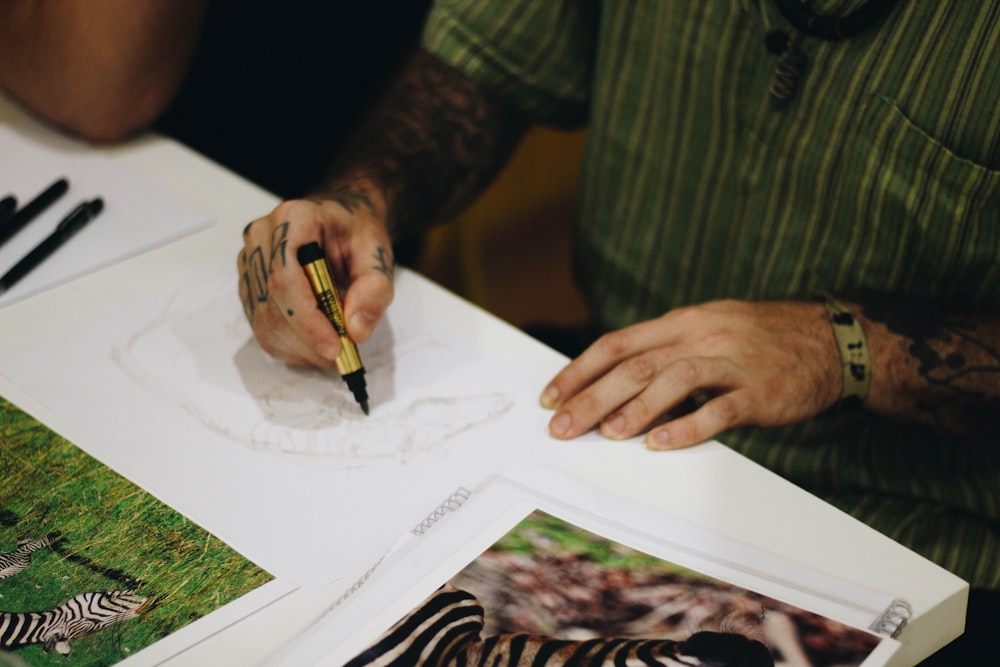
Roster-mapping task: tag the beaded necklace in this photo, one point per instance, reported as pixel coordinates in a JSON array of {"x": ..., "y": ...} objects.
[{"x": 806, "y": 23}]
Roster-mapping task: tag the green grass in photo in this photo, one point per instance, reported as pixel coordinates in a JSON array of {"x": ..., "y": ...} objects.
[
  {"x": 540, "y": 533},
  {"x": 108, "y": 535}
]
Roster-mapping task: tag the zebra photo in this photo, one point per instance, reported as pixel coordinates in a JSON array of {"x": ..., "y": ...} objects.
[
  {"x": 552, "y": 594},
  {"x": 92, "y": 565},
  {"x": 81, "y": 615}
]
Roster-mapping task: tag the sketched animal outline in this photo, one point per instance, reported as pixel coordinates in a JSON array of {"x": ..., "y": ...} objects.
[{"x": 301, "y": 413}]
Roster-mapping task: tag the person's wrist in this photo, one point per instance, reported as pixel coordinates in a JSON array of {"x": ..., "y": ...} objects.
[
  {"x": 357, "y": 194},
  {"x": 853, "y": 350}
]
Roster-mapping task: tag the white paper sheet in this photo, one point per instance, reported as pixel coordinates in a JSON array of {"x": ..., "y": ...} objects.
[
  {"x": 278, "y": 462},
  {"x": 136, "y": 216}
]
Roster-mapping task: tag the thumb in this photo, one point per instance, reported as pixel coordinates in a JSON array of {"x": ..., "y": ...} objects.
[{"x": 366, "y": 302}]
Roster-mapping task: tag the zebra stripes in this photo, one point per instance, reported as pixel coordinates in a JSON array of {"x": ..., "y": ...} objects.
[
  {"x": 445, "y": 632},
  {"x": 715, "y": 649},
  {"x": 18, "y": 560},
  {"x": 79, "y": 616},
  {"x": 435, "y": 634}
]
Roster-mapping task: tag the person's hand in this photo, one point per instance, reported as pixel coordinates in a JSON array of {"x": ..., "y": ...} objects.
[
  {"x": 276, "y": 295},
  {"x": 751, "y": 363}
]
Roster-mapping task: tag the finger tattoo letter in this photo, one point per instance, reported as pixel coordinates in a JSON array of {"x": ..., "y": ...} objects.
[{"x": 279, "y": 239}]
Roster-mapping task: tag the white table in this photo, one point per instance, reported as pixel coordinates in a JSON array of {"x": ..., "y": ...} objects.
[{"x": 743, "y": 502}]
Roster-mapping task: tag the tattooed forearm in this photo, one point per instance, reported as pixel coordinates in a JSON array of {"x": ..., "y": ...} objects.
[
  {"x": 947, "y": 367},
  {"x": 433, "y": 144}
]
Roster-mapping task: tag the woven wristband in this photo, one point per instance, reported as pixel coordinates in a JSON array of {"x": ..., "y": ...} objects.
[{"x": 855, "y": 357}]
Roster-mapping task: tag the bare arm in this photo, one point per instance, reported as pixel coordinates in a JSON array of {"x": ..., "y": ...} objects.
[{"x": 102, "y": 69}]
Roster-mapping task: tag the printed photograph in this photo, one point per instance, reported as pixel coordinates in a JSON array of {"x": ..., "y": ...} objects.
[
  {"x": 549, "y": 591},
  {"x": 92, "y": 568}
]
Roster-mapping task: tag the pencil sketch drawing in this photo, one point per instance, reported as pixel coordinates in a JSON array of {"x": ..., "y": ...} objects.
[{"x": 199, "y": 354}]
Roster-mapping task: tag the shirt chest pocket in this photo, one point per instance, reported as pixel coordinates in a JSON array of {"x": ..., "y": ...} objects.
[{"x": 936, "y": 214}]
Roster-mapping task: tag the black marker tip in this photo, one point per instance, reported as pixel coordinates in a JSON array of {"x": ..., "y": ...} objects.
[{"x": 356, "y": 383}]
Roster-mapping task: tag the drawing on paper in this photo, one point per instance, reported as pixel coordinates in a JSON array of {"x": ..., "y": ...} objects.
[
  {"x": 199, "y": 354},
  {"x": 90, "y": 564},
  {"x": 553, "y": 589}
]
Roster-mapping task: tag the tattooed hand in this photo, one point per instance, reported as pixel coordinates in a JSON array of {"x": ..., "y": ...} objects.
[
  {"x": 276, "y": 296},
  {"x": 428, "y": 150}
]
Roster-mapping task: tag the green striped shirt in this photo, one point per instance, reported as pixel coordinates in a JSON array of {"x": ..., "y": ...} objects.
[{"x": 882, "y": 174}]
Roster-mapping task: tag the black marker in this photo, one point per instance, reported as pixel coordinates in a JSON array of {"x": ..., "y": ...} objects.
[
  {"x": 67, "y": 227},
  {"x": 30, "y": 211},
  {"x": 7, "y": 206},
  {"x": 349, "y": 364}
]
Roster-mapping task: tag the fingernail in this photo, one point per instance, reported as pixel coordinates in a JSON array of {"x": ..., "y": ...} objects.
[
  {"x": 613, "y": 427},
  {"x": 550, "y": 396},
  {"x": 560, "y": 424},
  {"x": 658, "y": 439},
  {"x": 361, "y": 323}
]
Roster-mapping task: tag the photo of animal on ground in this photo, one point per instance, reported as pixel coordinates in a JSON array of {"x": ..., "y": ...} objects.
[
  {"x": 106, "y": 568},
  {"x": 550, "y": 593}
]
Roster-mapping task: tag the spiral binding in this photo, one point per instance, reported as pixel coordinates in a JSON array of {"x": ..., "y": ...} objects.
[
  {"x": 450, "y": 504},
  {"x": 892, "y": 621}
]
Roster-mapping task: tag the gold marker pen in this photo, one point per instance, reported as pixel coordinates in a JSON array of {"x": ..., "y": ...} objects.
[{"x": 349, "y": 364}]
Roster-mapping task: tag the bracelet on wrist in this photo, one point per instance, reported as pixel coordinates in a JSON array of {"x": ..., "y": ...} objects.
[{"x": 855, "y": 356}]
